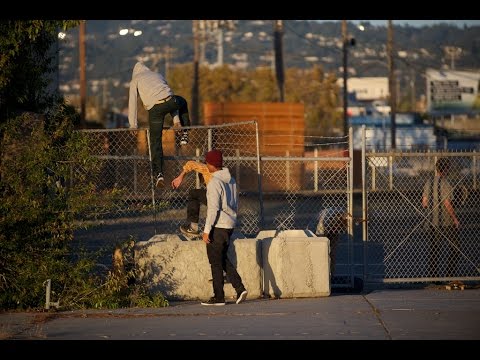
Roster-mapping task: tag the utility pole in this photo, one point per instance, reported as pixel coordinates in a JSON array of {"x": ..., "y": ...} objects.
[
  {"x": 277, "y": 44},
  {"x": 222, "y": 25},
  {"x": 398, "y": 79},
  {"x": 105, "y": 94},
  {"x": 83, "y": 81},
  {"x": 412, "y": 89},
  {"x": 195, "y": 85},
  {"x": 201, "y": 39},
  {"x": 345, "y": 72},
  {"x": 391, "y": 83},
  {"x": 169, "y": 52},
  {"x": 220, "y": 46}
]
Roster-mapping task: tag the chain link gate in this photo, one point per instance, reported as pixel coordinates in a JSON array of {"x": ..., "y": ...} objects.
[{"x": 404, "y": 243}]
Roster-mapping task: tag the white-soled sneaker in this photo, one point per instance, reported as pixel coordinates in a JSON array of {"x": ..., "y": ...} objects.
[
  {"x": 242, "y": 296},
  {"x": 213, "y": 302},
  {"x": 160, "y": 180},
  {"x": 184, "y": 138}
]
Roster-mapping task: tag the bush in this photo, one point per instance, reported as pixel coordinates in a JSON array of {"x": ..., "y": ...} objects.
[{"x": 43, "y": 193}]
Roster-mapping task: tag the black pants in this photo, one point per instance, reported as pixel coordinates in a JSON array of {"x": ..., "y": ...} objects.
[
  {"x": 217, "y": 256},
  {"x": 156, "y": 118},
  {"x": 182, "y": 110},
  {"x": 196, "y": 197}
]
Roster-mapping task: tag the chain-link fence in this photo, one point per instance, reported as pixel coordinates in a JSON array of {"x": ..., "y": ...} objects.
[
  {"x": 379, "y": 230},
  {"x": 276, "y": 192},
  {"x": 412, "y": 234},
  {"x": 410, "y": 242},
  {"x": 134, "y": 207}
]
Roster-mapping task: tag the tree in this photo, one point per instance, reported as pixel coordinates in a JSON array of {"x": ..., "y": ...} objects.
[
  {"x": 26, "y": 62},
  {"x": 46, "y": 172}
]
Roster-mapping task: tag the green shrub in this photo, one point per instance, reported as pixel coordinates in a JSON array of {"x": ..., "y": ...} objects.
[{"x": 46, "y": 184}]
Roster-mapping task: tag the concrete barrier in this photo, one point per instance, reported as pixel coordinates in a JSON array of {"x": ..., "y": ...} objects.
[
  {"x": 281, "y": 264},
  {"x": 296, "y": 263},
  {"x": 180, "y": 269}
]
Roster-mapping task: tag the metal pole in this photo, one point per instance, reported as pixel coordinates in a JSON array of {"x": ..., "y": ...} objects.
[
  {"x": 47, "y": 293},
  {"x": 83, "y": 81},
  {"x": 364, "y": 203},
  {"x": 259, "y": 176},
  {"x": 277, "y": 38},
  {"x": 391, "y": 84},
  {"x": 345, "y": 64},
  {"x": 195, "y": 85},
  {"x": 351, "y": 259}
]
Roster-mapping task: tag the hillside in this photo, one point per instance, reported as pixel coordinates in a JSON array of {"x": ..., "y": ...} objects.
[{"x": 163, "y": 44}]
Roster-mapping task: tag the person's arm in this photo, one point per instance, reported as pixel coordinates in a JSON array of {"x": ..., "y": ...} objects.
[
  {"x": 178, "y": 180},
  {"x": 426, "y": 191},
  {"x": 132, "y": 104},
  {"x": 425, "y": 202},
  {"x": 191, "y": 166},
  {"x": 447, "y": 194},
  {"x": 451, "y": 212}
]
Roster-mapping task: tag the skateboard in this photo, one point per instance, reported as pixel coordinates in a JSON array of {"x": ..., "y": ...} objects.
[
  {"x": 455, "y": 285},
  {"x": 191, "y": 237}
]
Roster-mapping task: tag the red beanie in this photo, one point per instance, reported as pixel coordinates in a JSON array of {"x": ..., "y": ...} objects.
[{"x": 215, "y": 158}]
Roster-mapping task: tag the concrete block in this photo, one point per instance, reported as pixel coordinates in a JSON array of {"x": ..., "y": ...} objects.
[
  {"x": 296, "y": 266},
  {"x": 291, "y": 234},
  {"x": 180, "y": 269},
  {"x": 264, "y": 234}
]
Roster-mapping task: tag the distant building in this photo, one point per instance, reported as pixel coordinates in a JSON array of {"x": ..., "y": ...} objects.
[
  {"x": 367, "y": 88},
  {"x": 452, "y": 92},
  {"x": 410, "y": 131}
]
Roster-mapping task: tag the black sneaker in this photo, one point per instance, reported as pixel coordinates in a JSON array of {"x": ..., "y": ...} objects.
[
  {"x": 187, "y": 230},
  {"x": 213, "y": 302},
  {"x": 242, "y": 296},
  {"x": 160, "y": 180},
  {"x": 184, "y": 138}
]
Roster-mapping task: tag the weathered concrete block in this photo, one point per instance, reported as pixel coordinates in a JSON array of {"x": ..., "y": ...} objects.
[
  {"x": 180, "y": 269},
  {"x": 291, "y": 234},
  {"x": 296, "y": 266}
]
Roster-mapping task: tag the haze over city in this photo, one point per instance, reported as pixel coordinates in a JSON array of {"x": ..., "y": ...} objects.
[{"x": 417, "y": 23}]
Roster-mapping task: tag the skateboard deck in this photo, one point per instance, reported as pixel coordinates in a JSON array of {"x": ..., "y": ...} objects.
[
  {"x": 455, "y": 285},
  {"x": 191, "y": 237}
]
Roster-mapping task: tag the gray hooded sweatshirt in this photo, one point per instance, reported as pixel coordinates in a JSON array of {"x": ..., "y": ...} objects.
[
  {"x": 222, "y": 201},
  {"x": 151, "y": 86}
]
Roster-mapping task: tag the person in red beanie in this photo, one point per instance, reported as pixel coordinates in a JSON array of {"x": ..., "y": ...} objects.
[{"x": 222, "y": 207}]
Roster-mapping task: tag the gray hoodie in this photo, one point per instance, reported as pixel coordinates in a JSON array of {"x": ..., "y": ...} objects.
[
  {"x": 222, "y": 201},
  {"x": 150, "y": 85}
]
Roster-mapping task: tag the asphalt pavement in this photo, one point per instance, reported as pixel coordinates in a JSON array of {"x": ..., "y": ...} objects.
[{"x": 391, "y": 314}]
